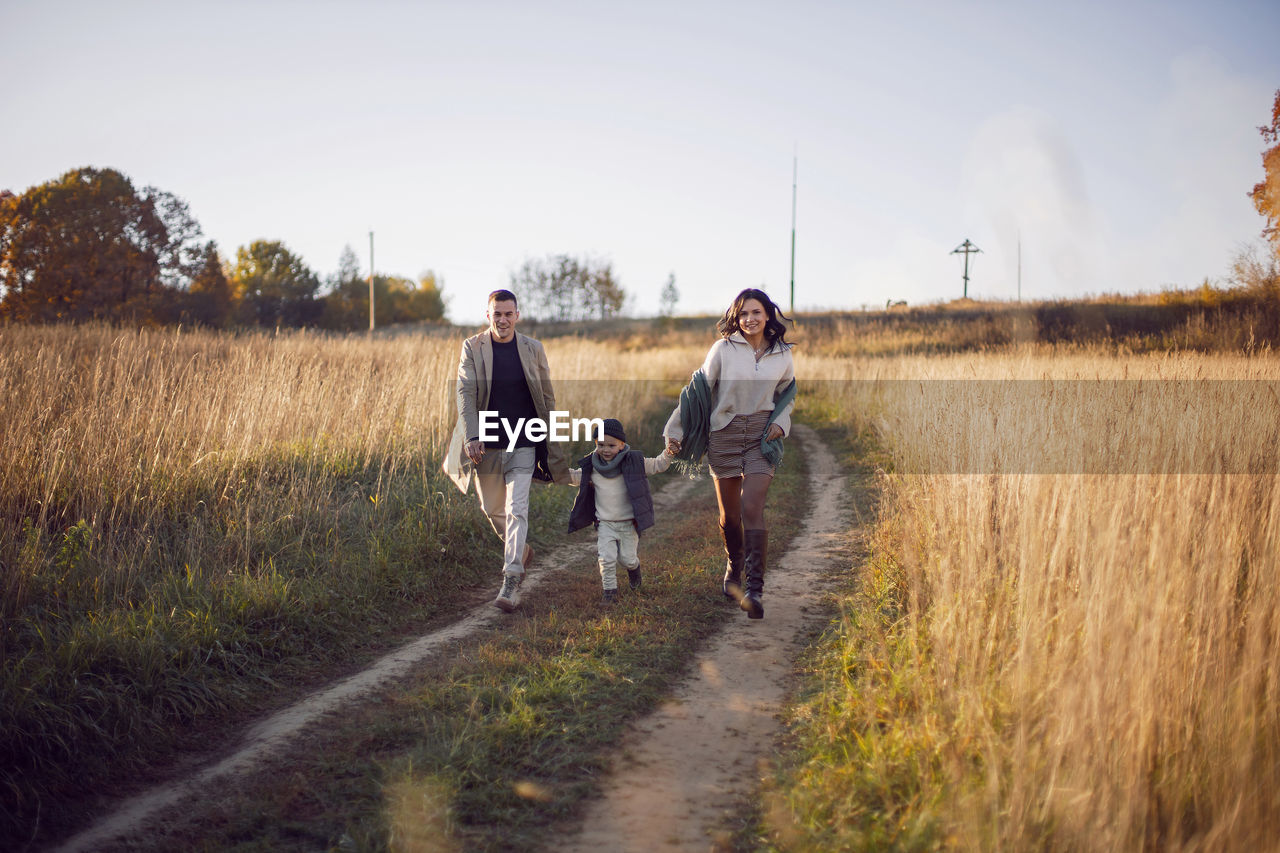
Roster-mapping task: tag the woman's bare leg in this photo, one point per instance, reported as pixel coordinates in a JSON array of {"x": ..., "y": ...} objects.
[
  {"x": 755, "y": 488},
  {"x": 729, "y": 497}
]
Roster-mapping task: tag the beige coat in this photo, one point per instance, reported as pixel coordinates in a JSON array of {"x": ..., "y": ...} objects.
[{"x": 475, "y": 379}]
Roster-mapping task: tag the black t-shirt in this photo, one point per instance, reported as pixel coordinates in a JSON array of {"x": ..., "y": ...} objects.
[{"x": 509, "y": 396}]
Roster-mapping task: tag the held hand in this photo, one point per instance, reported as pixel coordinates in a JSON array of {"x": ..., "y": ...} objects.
[
  {"x": 673, "y": 446},
  {"x": 775, "y": 431},
  {"x": 475, "y": 451}
]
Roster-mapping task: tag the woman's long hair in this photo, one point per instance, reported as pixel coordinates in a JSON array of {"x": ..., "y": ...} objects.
[{"x": 774, "y": 330}]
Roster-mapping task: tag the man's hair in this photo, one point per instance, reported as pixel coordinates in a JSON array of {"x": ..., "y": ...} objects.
[{"x": 502, "y": 296}]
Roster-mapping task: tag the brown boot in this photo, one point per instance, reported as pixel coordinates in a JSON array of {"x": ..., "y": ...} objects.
[
  {"x": 732, "y": 536},
  {"x": 757, "y": 547}
]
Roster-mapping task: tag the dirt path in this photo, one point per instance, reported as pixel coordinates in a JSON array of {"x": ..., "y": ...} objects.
[
  {"x": 274, "y": 733},
  {"x": 682, "y": 768},
  {"x": 679, "y": 770}
]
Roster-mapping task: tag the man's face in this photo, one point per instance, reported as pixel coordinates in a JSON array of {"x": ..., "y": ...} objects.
[
  {"x": 608, "y": 447},
  {"x": 502, "y": 317}
]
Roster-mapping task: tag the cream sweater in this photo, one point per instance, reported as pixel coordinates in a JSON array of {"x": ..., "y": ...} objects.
[
  {"x": 612, "y": 503},
  {"x": 740, "y": 385}
]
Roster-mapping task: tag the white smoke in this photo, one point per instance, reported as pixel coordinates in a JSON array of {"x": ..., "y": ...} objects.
[{"x": 1022, "y": 178}]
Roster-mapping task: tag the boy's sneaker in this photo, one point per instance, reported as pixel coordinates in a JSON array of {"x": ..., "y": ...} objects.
[
  {"x": 633, "y": 575},
  {"x": 610, "y": 596},
  {"x": 509, "y": 598}
]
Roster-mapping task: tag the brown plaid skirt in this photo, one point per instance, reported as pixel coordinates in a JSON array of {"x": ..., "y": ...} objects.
[{"x": 735, "y": 450}]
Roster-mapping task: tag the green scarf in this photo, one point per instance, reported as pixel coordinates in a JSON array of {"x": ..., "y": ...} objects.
[
  {"x": 772, "y": 448},
  {"x": 695, "y": 420}
]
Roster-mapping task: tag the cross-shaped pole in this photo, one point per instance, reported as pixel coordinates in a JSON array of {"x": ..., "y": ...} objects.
[{"x": 966, "y": 248}]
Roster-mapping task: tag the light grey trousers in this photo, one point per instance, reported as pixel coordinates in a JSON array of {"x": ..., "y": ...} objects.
[
  {"x": 503, "y": 481},
  {"x": 616, "y": 545}
]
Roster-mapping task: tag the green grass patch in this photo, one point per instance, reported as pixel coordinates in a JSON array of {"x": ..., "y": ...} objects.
[
  {"x": 864, "y": 754},
  {"x": 98, "y": 688}
]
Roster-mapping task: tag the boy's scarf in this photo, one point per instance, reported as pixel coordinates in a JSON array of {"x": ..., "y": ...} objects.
[
  {"x": 613, "y": 467},
  {"x": 695, "y": 420}
]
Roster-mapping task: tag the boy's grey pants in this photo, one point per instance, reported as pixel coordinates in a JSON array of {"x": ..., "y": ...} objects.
[
  {"x": 616, "y": 544},
  {"x": 503, "y": 479}
]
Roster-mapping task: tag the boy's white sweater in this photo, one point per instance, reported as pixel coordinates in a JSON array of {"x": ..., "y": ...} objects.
[{"x": 612, "y": 503}]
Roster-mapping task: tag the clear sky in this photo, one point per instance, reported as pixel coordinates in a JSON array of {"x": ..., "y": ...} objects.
[{"x": 1116, "y": 140}]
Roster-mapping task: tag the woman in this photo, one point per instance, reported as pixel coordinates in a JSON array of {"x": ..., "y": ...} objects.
[{"x": 737, "y": 409}]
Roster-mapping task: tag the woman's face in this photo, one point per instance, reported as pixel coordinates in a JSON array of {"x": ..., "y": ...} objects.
[{"x": 752, "y": 317}]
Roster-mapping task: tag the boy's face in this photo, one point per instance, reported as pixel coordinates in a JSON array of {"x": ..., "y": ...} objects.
[{"x": 608, "y": 447}]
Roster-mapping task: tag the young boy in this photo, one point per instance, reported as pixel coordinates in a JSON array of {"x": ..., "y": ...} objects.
[{"x": 613, "y": 494}]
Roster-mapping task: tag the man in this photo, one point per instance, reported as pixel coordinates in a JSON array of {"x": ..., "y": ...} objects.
[{"x": 506, "y": 373}]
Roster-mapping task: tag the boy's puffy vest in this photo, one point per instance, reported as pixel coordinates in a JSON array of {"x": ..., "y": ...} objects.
[{"x": 584, "y": 505}]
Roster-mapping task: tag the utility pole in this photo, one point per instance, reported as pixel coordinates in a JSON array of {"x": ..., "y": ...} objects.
[
  {"x": 1019, "y": 266},
  {"x": 795, "y": 161},
  {"x": 371, "y": 323},
  {"x": 966, "y": 248}
]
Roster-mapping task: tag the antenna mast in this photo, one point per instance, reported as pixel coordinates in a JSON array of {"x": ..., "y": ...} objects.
[{"x": 795, "y": 161}]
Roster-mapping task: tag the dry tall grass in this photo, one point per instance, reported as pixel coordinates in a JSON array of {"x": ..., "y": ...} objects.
[
  {"x": 1079, "y": 659},
  {"x": 180, "y": 512},
  {"x": 1069, "y": 660},
  {"x": 128, "y": 432}
]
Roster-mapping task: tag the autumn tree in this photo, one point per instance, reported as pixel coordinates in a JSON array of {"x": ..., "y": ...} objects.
[
  {"x": 400, "y": 300},
  {"x": 273, "y": 286},
  {"x": 421, "y": 301},
  {"x": 603, "y": 294},
  {"x": 346, "y": 304},
  {"x": 561, "y": 287},
  {"x": 209, "y": 301},
  {"x": 88, "y": 245},
  {"x": 397, "y": 299},
  {"x": 1266, "y": 194}
]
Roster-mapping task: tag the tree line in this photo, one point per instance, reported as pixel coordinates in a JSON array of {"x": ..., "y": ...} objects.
[{"x": 91, "y": 246}]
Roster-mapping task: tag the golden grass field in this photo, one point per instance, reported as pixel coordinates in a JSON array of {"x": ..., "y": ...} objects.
[
  {"x": 1067, "y": 660},
  {"x": 1044, "y": 650},
  {"x": 123, "y": 429}
]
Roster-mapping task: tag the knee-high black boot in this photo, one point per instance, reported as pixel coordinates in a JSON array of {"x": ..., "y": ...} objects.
[
  {"x": 732, "y": 536},
  {"x": 757, "y": 546}
]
